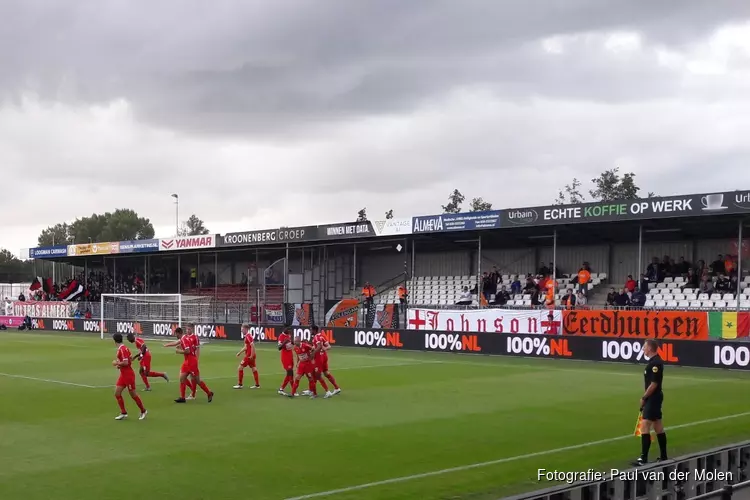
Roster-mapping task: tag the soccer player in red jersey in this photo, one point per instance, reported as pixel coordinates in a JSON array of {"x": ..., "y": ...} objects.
[
  {"x": 286, "y": 346},
  {"x": 186, "y": 346},
  {"x": 197, "y": 342},
  {"x": 126, "y": 379},
  {"x": 320, "y": 353},
  {"x": 144, "y": 359},
  {"x": 305, "y": 366},
  {"x": 248, "y": 360}
]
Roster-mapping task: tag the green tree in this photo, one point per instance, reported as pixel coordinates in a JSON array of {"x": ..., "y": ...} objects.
[
  {"x": 479, "y": 205},
  {"x": 193, "y": 227},
  {"x": 389, "y": 214},
  {"x": 610, "y": 185},
  {"x": 455, "y": 199},
  {"x": 13, "y": 269},
  {"x": 122, "y": 224},
  {"x": 59, "y": 234},
  {"x": 362, "y": 215}
]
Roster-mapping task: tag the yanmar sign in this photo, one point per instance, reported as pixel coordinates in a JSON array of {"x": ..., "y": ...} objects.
[{"x": 187, "y": 243}]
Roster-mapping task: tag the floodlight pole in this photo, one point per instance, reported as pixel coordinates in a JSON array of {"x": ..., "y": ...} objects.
[{"x": 176, "y": 214}]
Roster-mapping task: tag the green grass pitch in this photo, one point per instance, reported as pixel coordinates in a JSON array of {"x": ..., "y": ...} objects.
[{"x": 401, "y": 415}]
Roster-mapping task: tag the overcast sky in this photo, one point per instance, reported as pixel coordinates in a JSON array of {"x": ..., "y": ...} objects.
[{"x": 269, "y": 113}]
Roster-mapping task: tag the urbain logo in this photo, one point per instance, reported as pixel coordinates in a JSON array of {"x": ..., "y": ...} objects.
[{"x": 522, "y": 217}]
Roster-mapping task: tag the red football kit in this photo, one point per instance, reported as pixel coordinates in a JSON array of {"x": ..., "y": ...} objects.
[
  {"x": 304, "y": 354},
  {"x": 190, "y": 364},
  {"x": 249, "y": 359},
  {"x": 145, "y": 360},
  {"x": 127, "y": 375},
  {"x": 287, "y": 359},
  {"x": 321, "y": 357}
]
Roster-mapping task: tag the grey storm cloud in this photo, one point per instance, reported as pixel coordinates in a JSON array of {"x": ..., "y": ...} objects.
[{"x": 258, "y": 67}]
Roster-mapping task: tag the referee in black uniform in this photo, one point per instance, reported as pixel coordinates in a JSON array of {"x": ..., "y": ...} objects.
[{"x": 651, "y": 403}]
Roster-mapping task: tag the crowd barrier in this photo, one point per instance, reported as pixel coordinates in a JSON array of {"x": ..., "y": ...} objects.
[{"x": 702, "y": 354}]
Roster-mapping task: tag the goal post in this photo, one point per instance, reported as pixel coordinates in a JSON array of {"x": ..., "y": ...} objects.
[{"x": 141, "y": 307}]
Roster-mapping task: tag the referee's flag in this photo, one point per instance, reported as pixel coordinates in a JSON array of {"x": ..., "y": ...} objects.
[{"x": 637, "y": 432}]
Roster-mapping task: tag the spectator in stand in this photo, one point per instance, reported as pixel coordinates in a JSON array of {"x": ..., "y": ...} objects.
[
  {"x": 643, "y": 285},
  {"x": 581, "y": 300},
  {"x": 622, "y": 299},
  {"x": 683, "y": 267},
  {"x": 630, "y": 284},
  {"x": 502, "y": 297},
  {"x": 544, "y": 270},
  {"x": 700, "y": 268},
  {"x": 88, "y": 314},
  {"x": 729, "y": 265},
  {"x": 530, "y": 285},
  {"x": 723, "y": 284},
  {"x": 243, "y": 279},
  {"x": 494, "y": 278},
  {"x": 21, "y": 297},
  {"x": 486, "y": 286},
  {"x": 569, "y": 300},
  {"x": 706, "y": 285},
  {"x": 717, "y": 266},
  {"x": 402, "y": 295},
  {"x": 653, "y": 271},
  {"x": 692, "y": 279},
  {"x": 664, "y": 266},
  {"x": 555, "y": 270},
  {"x": 515, "y": 287},
  {"x": 638, "y": 299},
  {"x": 611, "y": 297},
  {"x": 465, "y": 299},
  {"x": 368, "y": 292},
  {"x": 584, "y": 276},
  {"x": 537, "y": 298},
  {"x": 733, "y": 284},
  {"x": 77, "y": 314}
]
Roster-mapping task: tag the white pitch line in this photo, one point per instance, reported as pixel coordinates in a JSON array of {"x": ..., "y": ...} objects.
[
  {"x": 502, "y": 460},
  {"x": 24, "y": 377}
]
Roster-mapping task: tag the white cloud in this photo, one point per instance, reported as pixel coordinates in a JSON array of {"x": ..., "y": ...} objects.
[{"x": 516, "y": 123}]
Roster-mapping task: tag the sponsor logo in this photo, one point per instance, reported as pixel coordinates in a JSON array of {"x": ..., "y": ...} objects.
[
  {"x": 641, "y": 324},
  {"x": 126, "y": 327},
  {"x": 633, "y": 351},
  {"x": 427, "y": 224},
  {"x": 538, "y": 347},
  {"x": 187, "y": 242},
  {"x": 165, "y": 329},
  {"x": 742, "y": 200},
  {"x": 731, "y": 356},
  {"x": 523, "y": 217},
  {"x": 210, "y": 331},
  {"x": 250, "y": 237},
  {"x": 378, "y": 338},
  {"x": 92, "y": 326},
  {"x": 261, "y": 333},
  {"x": 38, "y": 324},
  {"x": 451, "y": 342},
  {"x": 392, "y": 227},
  {"x": 60, "y": 325},
  {"x": 348, "y": 230}
]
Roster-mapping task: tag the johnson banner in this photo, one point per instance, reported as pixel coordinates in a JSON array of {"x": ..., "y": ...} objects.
[{"x": 531, "y": 321}]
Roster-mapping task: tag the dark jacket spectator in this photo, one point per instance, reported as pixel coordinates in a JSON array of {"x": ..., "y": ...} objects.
[
  {"x": 622, "y": 299},
  {"x": 611, "y": 297}
]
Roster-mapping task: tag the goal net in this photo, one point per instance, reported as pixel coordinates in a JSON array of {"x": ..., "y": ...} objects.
[{"x": 173, "y": 308}]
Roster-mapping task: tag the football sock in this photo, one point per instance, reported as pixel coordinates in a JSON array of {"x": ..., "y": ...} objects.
[
  {"x": 204, "y": 388},
  {"x": 144, "y": 377},
  {"x": 645, "y": 445},
  {"x": 183, "y": 387},
  {"x": 138, "y": 401},
  {"x": 662, "y": 438},
  {"x": 193, "y": 387},
  {"x": 121, "y": 402},
  {"x": 323, "y": 384},
  {"x": 332, "y": 381},
  {"x": 295, "y": 385},
  {"x": 156, "y": 374},
  {"x": 256, "y": 377},
  {"x": 240, "y": 376},
  {"x": 287, "y": 381}
]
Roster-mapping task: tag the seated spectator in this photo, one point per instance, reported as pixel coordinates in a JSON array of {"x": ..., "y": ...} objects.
[
  {"x": 88, "y": 314},
  {"x": 569, "y": 300},
  {"x": 723, "y": 284},
  {"x": 638, "y": 299},
  {"x": 537, "y": 299},
  {"x": 699, "y": 267},
  {"x": 581, "y": 300},
  {"x": 717, "y": 266},
  {"x": 683, "y": 267},
  {"x": 465, "y": 299},
  {"x": 21, "y": 298},
  {"x": 531, "y": 286},
  {"x": 653, "y": 271},
  {"x": 77, "y": 314},
  {"x": 622, "y": 299},
  {"x": 515, "y": 287},
  {"x": 611, "y": 297},
  {"x": 630, "y": 284},
  {"x": 707, "y": 285},
  {"x": 502, "y": 297}
]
